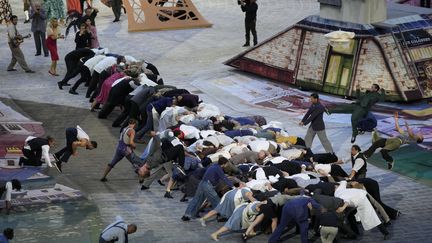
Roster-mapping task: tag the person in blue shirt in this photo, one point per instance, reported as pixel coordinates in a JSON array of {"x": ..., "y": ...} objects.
[
  {"x": 205, "y": 190},
  {"x": 295, "y": 212},
  {"x": 8, "y": 234}
]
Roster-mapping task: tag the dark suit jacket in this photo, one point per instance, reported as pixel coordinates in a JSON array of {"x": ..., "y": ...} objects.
[{"x": 315, "y": 116}]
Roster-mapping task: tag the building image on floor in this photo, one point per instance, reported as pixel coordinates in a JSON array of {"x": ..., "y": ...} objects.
[{"x": 395, "y": 53}]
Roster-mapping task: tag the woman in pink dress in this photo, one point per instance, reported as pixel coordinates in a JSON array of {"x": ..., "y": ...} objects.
[
  {"x": 92, "y": 29},
  {"x": 106, "y": 88}
]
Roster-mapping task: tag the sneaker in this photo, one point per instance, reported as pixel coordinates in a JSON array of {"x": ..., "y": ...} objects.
[
  {"x": 144, "y": 187},
  {"x": 58, "y": 166},
  {"x": 104, "y": 179},
  {"x": 168, "y": 195},
  {"x": 203, "y": 222},
  {"x": 390, "y": 165},
  {"x": 185, "y": 218}
]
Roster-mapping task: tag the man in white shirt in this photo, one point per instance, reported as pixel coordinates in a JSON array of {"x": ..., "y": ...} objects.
[
  {"x": 14, "y": 39},
  {"x": 75, "y": 137},
  {"x": 34, "y": 149},
  {"x": 117, "y": 231},
  {"x": 6, "y": 188}
]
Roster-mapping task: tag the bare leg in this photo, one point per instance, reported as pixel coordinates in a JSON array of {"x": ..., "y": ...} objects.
[{"x": 215, "y": 235}]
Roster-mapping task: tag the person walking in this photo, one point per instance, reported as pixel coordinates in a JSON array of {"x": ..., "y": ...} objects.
[
  {"x": 250, "y": 7},
  {"x": 34, "y": 149},
  {"x": 14, "y": 41},
  {"x": 75, "y": 137},
  {"x": 53, "y": 34},
  {"x": 117, "y": 231},
  {"x": 393, "y": 143},
  {"x": 314, "y": 116},
  {"x": 124, "y": 148},
  {"x": 116, "y": 6},
  {"x": 38, "y": 27},
  {"x": 6, "y": 188},
  {"x": 361, "y": 107}
]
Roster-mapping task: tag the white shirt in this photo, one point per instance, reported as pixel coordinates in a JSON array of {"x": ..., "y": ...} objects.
[
  {"x": 92, "y": 62},
  {"x": 259, "y": 145},
  {"x": 326, "y": 168},
  {"x": 81, "y": 134},
  {"x": 104, "y": 64},
  {"x": 112, "y": 232},
  {"x": 45, "y": 150},
  {"x": 292, "y": 153},
  {"x": 190, "y": 132},
  {"x": 358, "y": 163}
]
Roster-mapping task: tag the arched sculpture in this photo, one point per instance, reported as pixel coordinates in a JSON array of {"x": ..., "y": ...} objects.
[{"x": 163, "y": 14}]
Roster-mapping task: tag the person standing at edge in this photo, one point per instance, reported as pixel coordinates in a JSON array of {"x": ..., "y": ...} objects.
[
  {"x": 38, "y": 27},
  {"x": 314, "y": 116},
  {"x": 250, "y": 7},
  {"x": 75, "y": 137},
  {"x": 14, "y": 40},
  {"x": 361, "y": 107}
]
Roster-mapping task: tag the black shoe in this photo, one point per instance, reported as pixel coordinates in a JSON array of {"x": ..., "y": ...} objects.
[
  {"x": 37, "y": 54},
  {"x": 71, "y": 91},
  {"x": 160, "y": 183},
  {"x": 246, "y": 44},
  {"x": 222, "y": 219},
  {"x": 390, "y": 165},
  {"x": 60, "y": 85},
  {"x": 27, "y": 21},
  {"x": 30, "y": 71},
  {"x": 11, "y": 70},
  {"x": 168, "y": 195},
  {"x": 185, "y": 218},
  {"x": 104, "y": 179},
  {"x": 66, "y": 84},
  {"x": 184, "y": 199},
  {"x": 116, "y": 20},
  {"x": 353, "y": 138},
  {"x": 46, "y": 55},
  {"x": 144, "y": 187},
  {"x": 58, "y": 166},
  {"x": 255, "y": 43}
]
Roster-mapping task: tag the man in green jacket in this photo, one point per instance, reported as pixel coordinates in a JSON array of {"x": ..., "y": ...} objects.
[{"x": 361, "y": 107}]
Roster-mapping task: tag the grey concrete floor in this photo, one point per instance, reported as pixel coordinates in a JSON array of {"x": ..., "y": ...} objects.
[{"x": 185, "y": 58}]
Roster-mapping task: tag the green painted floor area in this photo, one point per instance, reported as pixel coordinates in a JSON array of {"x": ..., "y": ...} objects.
[{"x": 411, "y": 161}]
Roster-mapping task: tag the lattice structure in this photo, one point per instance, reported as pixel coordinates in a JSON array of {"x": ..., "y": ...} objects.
[{"x": 163, "y": 14}]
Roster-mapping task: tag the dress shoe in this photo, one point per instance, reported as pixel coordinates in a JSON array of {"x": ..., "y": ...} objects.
[
  {"x": 103, "y": 179},
  {"x": 185, "y": 218},
  {"x": 246, "y": 44},
  {"x": 116, "y": 20},
  {"x": 27, "y": 21},
  {"x": 71, "y": 91},
  {"x": 60, "y": 85},
  {"x": 144, "y": 187},
  {"x": 37, "y": 54},
  {"x": 46, "y": 55},
  {"x": 168, "y": 195},
  {"x": 11, "y": 70},
  {"x": 30, "y": 71}
]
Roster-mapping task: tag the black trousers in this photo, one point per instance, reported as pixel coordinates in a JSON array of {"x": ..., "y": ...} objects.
[
  {"x": 73, "y": 68},
  {"x": 372, "y": 187},
  {"x": 126, "y": 110},
  {"x": 65, "y": 153},
  {"x": 102, "y": 77},
  {"x": 93, "y": 83},
  {"x": 85, "y": 77},
  {"x": 250, "y": 26},
  {"x": 116, "y": 6},
  {"x": 39, "y": 39},
  {"x": 32, "y": 157},
  {"x": 175, "y": 153}
]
